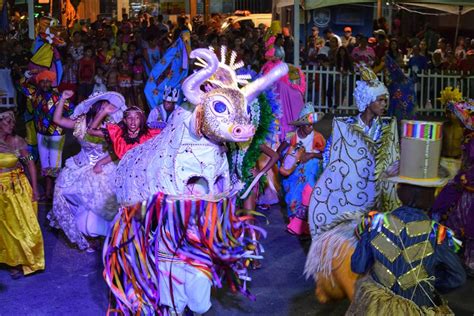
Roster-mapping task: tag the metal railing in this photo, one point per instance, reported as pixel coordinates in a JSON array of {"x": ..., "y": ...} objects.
[{"x": 331, "y": 90}]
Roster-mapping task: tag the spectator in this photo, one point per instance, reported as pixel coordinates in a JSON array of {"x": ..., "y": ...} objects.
[
  {"x": 460, "y": 52},
  {"x": 315, "y": 39},
  {"x": 348, "y": 41},
  {"x": 382, "y": 45},
  {"x": 86, "y": 73},
  {"x": 437, "y": 62},
  {"x": 451, "y": 63},
  {"x": 467, "y": 64},
  {"x": 69, "y": 79},
  {"x": 372, "y": 42},
  {"x": 363, "y": 53},
  {"x": 333, "y": 47},
  {"x": 328, "y": 33},
  {"x": 288, "y": 45},
  {"x": 255, "y": 57},
  {"x": 395, "y": 52},
  {"x": 417, "y": 62},
  {"x": 180, "y": 27},
  {"x": 76, "y": 48},
  {"x": 430, "y": 36},
  {"x": 345, "y": 66},
  {"x": 442, "y": 48},
  {"x": 152, "y": 54}
]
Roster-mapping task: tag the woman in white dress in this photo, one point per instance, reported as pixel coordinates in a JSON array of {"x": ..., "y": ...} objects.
[{"x": 84, "y": 201}]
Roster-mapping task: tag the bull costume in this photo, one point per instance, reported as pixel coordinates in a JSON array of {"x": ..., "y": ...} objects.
[
  {"x": 407, "y": 256},
  {"x": 191, "y": 235}
]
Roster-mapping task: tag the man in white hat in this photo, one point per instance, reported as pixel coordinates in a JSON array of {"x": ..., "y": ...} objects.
[
  {"x": 358, "y": 147},
  {"x": 357, "y": 152},
  {"x": 406, "y": 256}
]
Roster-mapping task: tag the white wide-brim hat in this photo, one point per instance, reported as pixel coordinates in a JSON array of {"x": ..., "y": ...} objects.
[{"x": 114, "y": 98}]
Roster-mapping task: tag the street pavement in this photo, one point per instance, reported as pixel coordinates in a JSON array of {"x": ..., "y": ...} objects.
[{"x": 72, "y": 283}]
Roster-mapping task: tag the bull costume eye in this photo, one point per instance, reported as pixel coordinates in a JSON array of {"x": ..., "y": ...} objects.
[{"x": 220, "y": 107}]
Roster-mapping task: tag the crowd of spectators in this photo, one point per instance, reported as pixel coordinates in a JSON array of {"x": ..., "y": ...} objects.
[
  {"x": 426, "y": 50},
  {"x": 112, "y": 55}
]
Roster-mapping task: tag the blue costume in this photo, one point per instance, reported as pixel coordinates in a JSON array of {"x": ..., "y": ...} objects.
[
  {"x": 170, "y": 71},
  {"x": 407, "y": 256}
]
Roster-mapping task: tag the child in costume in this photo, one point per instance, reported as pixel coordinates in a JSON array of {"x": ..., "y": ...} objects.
[
  {"x": 455, "y": 204},
  {"x": 84, "y": 198},
  {"x": 408, "y": 257},
  {"x": 125, "y": 135},
  {"x": 300, "y": 171}
]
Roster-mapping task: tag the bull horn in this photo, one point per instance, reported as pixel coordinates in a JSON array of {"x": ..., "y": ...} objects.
[
  {"x": 191, "y": 86},
  {"x": 252, "y": 90}
]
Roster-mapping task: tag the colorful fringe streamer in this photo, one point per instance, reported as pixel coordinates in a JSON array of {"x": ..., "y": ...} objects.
[{"x": 209, "y": 235}]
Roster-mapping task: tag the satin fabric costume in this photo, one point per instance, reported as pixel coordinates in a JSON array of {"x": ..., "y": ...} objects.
[
  {"x": 21, "y": 240},
  {"x": 114, "y": 136},
  {"x": 84, "y": 202}
]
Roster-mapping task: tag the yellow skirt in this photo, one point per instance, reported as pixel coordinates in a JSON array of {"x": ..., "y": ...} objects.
[{"x": 21, "y": 241}]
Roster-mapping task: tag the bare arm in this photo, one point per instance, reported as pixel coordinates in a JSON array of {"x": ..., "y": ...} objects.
[
  {"x": 274, "y": 156},
  {"x": 98, "y": 166},
  {"x": 93, "y": 128},
  {"x": 58, "y": 112},
  {"x": 30, "y": 164},
  {"x": 283, "y": 146}
]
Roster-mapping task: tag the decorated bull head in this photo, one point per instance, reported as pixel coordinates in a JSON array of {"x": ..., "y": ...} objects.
[{"x": 221, "y": 112}]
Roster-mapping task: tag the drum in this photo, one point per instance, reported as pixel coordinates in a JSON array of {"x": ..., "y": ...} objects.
[{"x": 291, "y": 160}]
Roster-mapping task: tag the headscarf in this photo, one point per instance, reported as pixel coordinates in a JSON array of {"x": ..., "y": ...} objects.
[
  {"x": 46, "y": 75},
  {"x": 368, "y": 89}
]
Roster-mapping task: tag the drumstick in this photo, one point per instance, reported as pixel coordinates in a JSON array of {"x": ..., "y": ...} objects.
[{"x": 254, "y": 182}]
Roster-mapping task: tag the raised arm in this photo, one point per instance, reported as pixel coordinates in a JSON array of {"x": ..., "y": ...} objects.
[
  {"x": 93, "y": 129},
  {"x": 58, "y": 112}
]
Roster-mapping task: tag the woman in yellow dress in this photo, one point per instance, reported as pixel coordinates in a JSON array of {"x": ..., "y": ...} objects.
[{"x": 21, "y": 241}]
